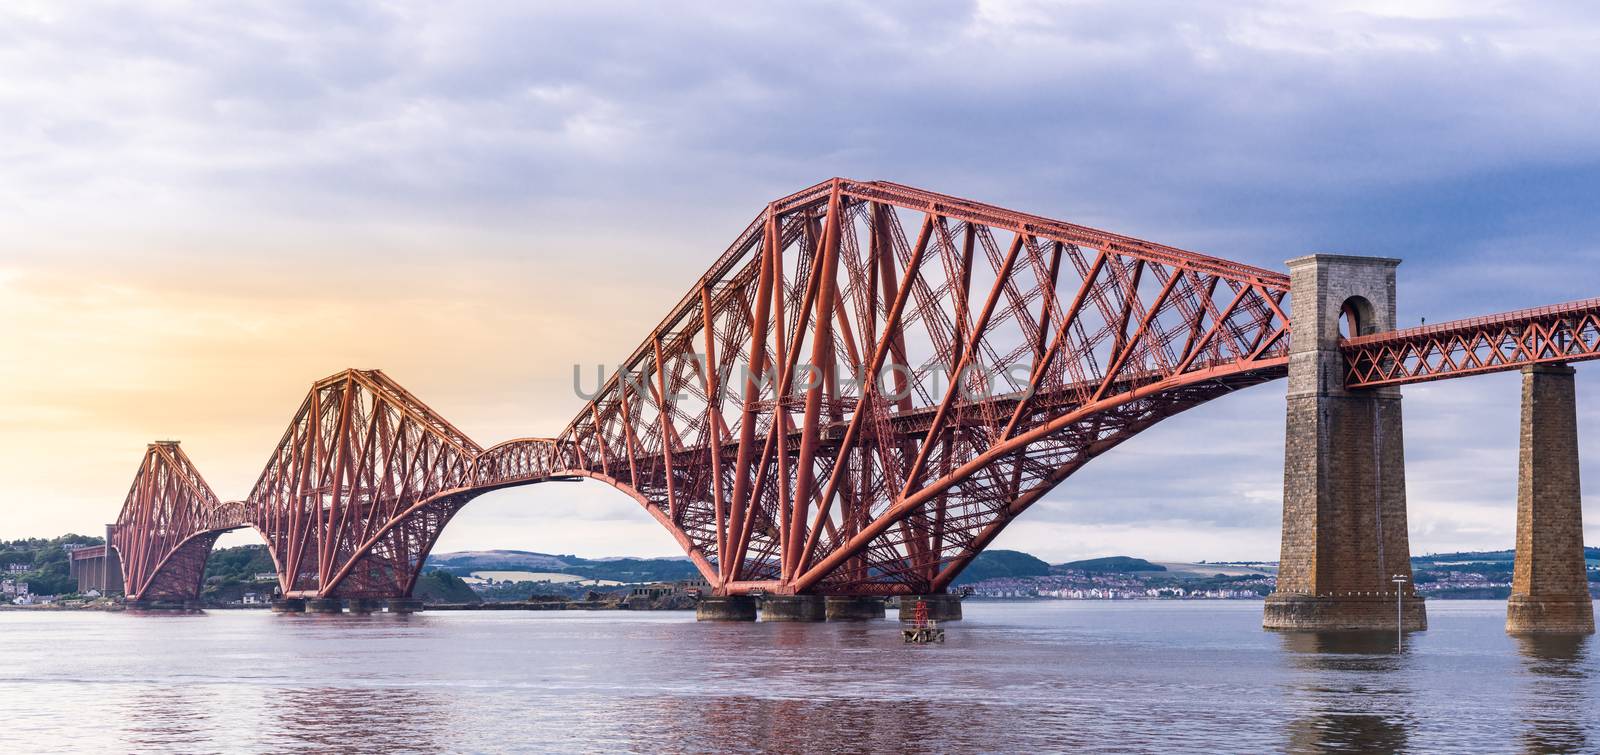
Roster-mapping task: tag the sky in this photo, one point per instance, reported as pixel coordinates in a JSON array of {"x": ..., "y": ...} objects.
[{"x": 205, "y": 209}]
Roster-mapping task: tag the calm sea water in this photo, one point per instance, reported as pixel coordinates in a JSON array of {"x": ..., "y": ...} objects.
[{"x": 1033, "y": 677}]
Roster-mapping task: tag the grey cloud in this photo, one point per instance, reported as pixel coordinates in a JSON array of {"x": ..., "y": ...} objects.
[
  {"x": 1169, "y": 122},
  {"x": 1257, "y": 131}
]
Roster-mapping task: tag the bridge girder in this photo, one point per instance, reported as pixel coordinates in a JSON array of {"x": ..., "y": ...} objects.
[{"x": 1513, "y": 340}]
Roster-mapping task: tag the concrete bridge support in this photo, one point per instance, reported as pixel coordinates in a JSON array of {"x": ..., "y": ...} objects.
[
  {"x": 402, "y": 605},
  {"x": 725, "y": 608},
  {"x": 793, "y": 608},
  {"x": 1344, "y": 491},
  {"x": 854, "y": 608},
  {"x": 941, "y": 606},
  {"x": 1549, "y": 587},
  {"x": 325, "y": 605},
  {"x": 96, "y": 568}
]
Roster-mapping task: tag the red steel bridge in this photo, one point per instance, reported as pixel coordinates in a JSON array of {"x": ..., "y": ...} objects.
[{"x": 865, "y": 388}]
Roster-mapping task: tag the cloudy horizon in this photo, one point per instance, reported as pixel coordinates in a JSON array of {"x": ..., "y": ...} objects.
[{"x": 202, "y": 211}]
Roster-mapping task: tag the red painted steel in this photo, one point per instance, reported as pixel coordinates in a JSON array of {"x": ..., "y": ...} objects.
[
  {"x": 786, "y": 477},
  {"x": 745, "y": 424},
  {"x": 1560, "y": 333},
  {"x": 793, "y": 421},
  {"x": 168, "y": 523}
]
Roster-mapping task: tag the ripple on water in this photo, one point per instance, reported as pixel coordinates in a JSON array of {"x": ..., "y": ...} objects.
[{"x": 1110, "y": 677}]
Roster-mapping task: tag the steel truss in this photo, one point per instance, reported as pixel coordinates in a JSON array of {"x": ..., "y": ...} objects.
[
  {"x": 1560, "y": 333},
  {"x": 866, "y": 387}
]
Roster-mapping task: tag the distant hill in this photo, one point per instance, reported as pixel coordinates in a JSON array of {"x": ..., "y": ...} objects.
[
  {"x": 621, "y": 569},
  {"x": 1110, "y": 564},
  {"x": 444, "y": 587},
  {"x": 1472, "y": 556},
  {"x": 993, "y": 564},
  {"x": 990, "y": 564},
  {"x": 1592, "y": 554},
  {"x": 500, "y": 561}
]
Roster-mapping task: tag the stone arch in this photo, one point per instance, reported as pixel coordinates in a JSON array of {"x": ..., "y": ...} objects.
[{"x": 1357, "y": 317}]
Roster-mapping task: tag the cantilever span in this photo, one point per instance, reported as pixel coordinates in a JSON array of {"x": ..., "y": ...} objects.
[{"x": 864, "y": 389}]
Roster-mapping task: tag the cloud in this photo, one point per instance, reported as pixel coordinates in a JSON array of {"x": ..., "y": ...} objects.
[{"x": 476, "y": 196}]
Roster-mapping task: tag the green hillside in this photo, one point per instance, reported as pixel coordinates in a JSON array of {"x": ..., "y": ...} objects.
[
  {"x": 43, "y": 562},
  {"x": 993, "y": 564},
  {"x": 619, "y": 569},
  {"x": 444, "y": 587},
  {"x": 1110, "y": 564}
]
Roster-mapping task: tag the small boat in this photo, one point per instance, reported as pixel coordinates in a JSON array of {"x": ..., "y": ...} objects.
[{"x": 922, "y": 630}]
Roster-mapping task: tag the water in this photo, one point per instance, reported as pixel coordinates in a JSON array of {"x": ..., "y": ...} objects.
[{"x": 1032, "y": 677}]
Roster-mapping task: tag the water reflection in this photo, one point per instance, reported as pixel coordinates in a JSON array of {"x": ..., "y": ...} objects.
[
  {"x": 1357, "y": 698},
  {"x": 1063, "y": 676},
  {"x": 168, "y": 718},
  {"x": 358, "y": 719},
  {"x": 1556, "y": 701},
  {"x": 735, "y": 723}
]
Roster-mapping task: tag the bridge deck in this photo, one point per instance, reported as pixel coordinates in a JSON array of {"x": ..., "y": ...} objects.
[{"x": 1559, "y": 333}]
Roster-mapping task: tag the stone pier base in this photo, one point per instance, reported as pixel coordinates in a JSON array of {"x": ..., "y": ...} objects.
[
  {"x": 362, "y": 605},
  {"x": 1549, "y": 583},
  {"x": 289, "y": 605},
  {"x": 403, "y": 605},
  {"x": 793, "y": 608},
  {"x": 941, "y": 607},
  {"x": 725, "y": 608},
  {"x": 1345, "y": 538},
  {"x": 1530, "y": 615},
  {"x": 1306, "y": 613},
  {"x": 325, "y": 605},
  {"x": 162, "y": 605},
  {"x": 854, "y": 608}
]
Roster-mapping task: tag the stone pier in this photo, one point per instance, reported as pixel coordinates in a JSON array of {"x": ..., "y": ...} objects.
[
  {"x": 855, "y": 608},
  {"x": 325, "y": 605},
  {"x": 289, "y": 605},
  {"x": 403, "y": 605},
  {"x": 793, "y": 608},
  {"x": 941, "y": 607},
  {"x": 1549, "y": 585},
  {"x": 1344, "y": 490},
  {"x": 725, "y": 608},
  {"x": 160, "y": 604}
]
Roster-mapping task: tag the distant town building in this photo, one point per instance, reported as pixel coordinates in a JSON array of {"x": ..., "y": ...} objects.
[
  {"x": 70, "y": 547},
  {"x": 665, "y": 594},
  {"x": 658, "y": 590},
  {"x": 18, "y": 568},
  {"x": 13, "y": 588}
]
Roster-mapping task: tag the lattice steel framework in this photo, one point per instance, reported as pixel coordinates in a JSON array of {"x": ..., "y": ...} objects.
[
  {"x": 737, "y": 420},
  {"x": 866, "y": 387},
  {"x": 340, "y": 501},
  {"x": 168, "y": 523},
  {"x": 1560, "y": 333}
]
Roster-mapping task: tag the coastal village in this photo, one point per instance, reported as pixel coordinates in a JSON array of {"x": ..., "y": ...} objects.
[{"x": 37, "y": 574}]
